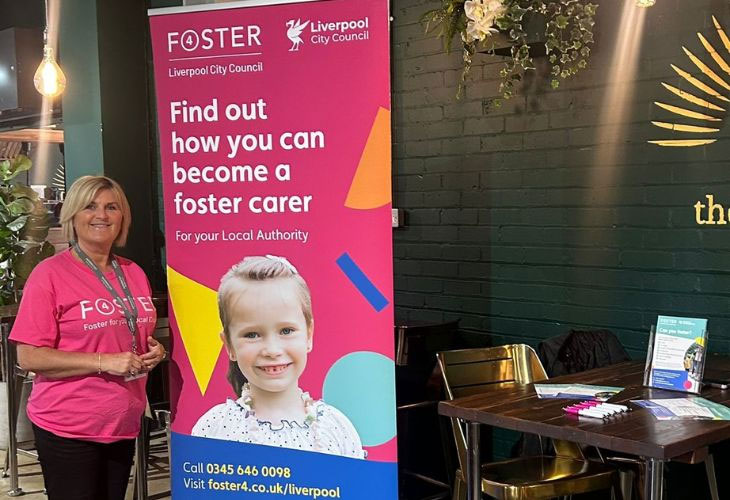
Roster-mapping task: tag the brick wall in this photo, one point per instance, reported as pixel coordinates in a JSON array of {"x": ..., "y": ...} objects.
[{"x": 530, "y": 219}]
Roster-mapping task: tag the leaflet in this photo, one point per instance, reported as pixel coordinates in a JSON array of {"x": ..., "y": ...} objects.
[
  {"x": 685, "y": 409},
  {"x": 576, "y": 391},
  {"x": 678, "y": 353}
]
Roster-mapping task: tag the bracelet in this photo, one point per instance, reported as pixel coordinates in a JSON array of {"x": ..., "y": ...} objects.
[{"x": 99, "y": 372}]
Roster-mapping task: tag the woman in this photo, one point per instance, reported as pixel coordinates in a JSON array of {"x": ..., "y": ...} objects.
[{"x": 84, "y": 327}]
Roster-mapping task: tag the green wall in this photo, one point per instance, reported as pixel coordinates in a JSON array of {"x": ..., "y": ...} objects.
[
  {"x": 104, "y": 52},
  {"x": 531, "y": 219},
  {"x": 79, "y": 56}
]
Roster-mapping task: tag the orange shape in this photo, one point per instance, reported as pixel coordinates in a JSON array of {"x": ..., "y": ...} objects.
[{"x": 370, "y": 187}]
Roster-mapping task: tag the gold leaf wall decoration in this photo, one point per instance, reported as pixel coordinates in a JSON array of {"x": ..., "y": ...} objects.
[{"x": 706, "y": 102}]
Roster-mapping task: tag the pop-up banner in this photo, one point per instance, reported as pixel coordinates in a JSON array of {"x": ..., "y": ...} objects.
[{"x": 274, "y": 130}]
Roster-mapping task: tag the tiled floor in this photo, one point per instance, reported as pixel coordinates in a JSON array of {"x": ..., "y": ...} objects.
[{"x": 30, "y": 479}]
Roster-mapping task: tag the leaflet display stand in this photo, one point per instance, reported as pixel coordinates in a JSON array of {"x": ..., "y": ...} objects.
[{"x": 676, "y": 355}]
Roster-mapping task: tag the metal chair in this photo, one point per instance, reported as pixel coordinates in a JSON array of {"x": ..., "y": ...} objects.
[
  {"x": 635, "y": 470},
  {"x": 474, "y": 371}
]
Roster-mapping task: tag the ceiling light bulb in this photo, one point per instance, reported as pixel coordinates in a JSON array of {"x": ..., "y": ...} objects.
[
  {"x": 49, "y": 80},
  {"x": 645, "y": 3}
]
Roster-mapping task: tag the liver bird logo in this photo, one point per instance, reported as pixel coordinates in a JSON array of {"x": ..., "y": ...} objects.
[
  {"x": 294, "y": 31},
  {"x": 706, "y": 103}
]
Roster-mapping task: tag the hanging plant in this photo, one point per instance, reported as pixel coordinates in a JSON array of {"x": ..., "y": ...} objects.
[{"x": 568, "y": 34}]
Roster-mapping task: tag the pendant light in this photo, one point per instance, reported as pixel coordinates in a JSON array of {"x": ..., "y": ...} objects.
[
  {"x": 645, "y": 3},
  {"x": 49, "y": 79}
]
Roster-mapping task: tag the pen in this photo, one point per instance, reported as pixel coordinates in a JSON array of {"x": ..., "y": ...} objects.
[
  {"x": 621, "y": 408},
  {"x": 595, "y": 409},
  {"x": 592, "y": 413},
  {"x": 587, "y": 412}
]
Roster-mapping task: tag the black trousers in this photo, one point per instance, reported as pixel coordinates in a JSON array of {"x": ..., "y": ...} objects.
[{"x": 74, "y": 469}]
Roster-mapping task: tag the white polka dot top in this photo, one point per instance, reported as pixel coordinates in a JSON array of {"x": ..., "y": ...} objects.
[{"x": 331, "y": 432}]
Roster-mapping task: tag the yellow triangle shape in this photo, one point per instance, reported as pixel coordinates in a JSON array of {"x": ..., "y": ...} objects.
[
  {"x": 370, "y": 187},
  {"x": 196, "y": 314}
]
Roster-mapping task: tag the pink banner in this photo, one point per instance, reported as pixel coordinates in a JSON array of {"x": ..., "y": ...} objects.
[{"x": 274, "y": 129}]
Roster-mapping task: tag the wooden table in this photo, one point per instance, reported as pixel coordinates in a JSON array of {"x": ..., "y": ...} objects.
[{"x": 636, "y": 433}]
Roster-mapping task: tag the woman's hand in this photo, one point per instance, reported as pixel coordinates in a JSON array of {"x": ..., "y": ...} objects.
[
  {"x": 121, "y": 363},
  {"x": 56, "y": 364},
  {"x": 156, "y": 353}
]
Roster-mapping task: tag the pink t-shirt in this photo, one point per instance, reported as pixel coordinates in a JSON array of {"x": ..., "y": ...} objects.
[{"x": 65, "y": 306}]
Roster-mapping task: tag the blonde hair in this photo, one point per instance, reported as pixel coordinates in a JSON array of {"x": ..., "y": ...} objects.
[
  {"x": 256, "y": 268},
  {"x": 83, "y": 192}
]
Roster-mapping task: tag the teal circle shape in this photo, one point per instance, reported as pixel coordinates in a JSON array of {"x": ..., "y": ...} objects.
[{"x": 362, "y": 386}]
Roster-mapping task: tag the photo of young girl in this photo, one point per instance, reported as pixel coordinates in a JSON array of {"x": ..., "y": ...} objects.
[{"x": 265, "y": 308}]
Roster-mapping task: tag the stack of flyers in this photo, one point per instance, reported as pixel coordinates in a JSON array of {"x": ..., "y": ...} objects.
[
  {"x": 576, "y": 391},
  {"x": 685, "y": 409}
]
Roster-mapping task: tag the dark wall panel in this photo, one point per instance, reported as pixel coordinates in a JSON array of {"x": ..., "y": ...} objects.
[{"x": 538, "y": 216}]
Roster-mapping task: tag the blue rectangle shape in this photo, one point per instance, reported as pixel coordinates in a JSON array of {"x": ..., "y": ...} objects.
[
  {"x": 212, "y": 469},
  {"x": 362, "y": 282}
]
